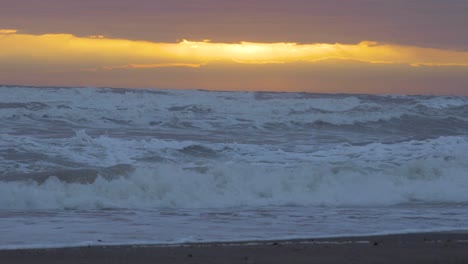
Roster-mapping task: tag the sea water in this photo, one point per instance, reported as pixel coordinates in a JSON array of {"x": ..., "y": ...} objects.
[{"x": 92, "y": 166}]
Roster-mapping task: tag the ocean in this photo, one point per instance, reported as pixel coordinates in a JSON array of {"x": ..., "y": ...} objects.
[{"x": 102, "y": 166}]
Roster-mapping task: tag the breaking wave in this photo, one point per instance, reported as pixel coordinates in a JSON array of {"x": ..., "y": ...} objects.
[
  {"x": 120, "y": 148},
  {"x": 214, "y": 110},
  {"x": 231, "y": 185}
]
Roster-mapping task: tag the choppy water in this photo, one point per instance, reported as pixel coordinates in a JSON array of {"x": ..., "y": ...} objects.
[{"x": 86, "y": 165}]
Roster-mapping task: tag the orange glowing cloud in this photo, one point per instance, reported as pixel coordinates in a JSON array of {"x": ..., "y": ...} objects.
[
  {"x": 8, "y": 31},
  {"x": 68, "y": 51},
  {"x": 152, "y": 66}
]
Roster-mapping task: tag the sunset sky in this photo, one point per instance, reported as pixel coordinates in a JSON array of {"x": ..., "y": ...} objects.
[{"x": 346, "y": 46}]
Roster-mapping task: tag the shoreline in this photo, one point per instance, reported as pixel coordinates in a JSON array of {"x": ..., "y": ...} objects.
[{"x": 438, "y": 247}]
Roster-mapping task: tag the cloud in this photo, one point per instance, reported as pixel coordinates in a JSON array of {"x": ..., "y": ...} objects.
[
  {"x": 152, "y": 66},
  {"x": 8, "y": 31},
  {"x": 428, "y": 23},
  {"x": 367, "y": 66},
  {"x": 105, "y": 53}
]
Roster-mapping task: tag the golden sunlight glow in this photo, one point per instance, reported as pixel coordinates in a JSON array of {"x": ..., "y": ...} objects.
[
  {"x": 149, "y": 66},
  {"x": 100, "y": 53},
  {"x": 8, "y": 31}
]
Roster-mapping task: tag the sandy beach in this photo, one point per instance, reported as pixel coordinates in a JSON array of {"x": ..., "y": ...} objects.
[{"x": 406, "y": 248}]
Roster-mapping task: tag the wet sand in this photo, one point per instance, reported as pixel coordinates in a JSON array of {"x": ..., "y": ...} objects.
[{"x": 408, "y": 248}]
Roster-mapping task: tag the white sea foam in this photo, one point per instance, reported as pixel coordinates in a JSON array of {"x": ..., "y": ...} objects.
[
  {"x": 432, "y": 170},
  {"x": 232, "y": 185},
  {"x": 109, "y": 108},
  {"x": 444, "y": 102}
]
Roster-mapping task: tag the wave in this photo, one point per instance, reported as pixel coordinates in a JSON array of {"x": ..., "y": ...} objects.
[
  {"x": 110, "y": 108},
  {"x": 83, "y": 176},
  {"x": 107, "y": 148},
  {"x": 434, "y": 180},
  {"x": 25, "y": 154}
]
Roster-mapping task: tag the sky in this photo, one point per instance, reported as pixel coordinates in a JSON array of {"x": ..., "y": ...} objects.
[{"x": 333, "y": 46}]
